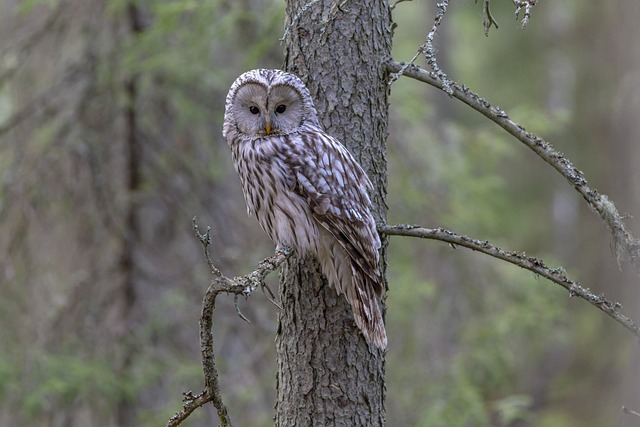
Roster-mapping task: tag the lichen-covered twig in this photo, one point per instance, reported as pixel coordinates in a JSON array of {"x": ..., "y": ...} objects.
[
  {"x": 428, "y": 50},
  {"x": 190, "y": 403},
  {"x": 556, "y": 275},
  {"x": 527, "y": 5}
]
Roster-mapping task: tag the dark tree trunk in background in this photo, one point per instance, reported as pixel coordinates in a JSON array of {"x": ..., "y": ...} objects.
[
  {"x": 609, "y": 108},
  {"x": 126, "y": 293},
  {"x": 327, "y": 375}
]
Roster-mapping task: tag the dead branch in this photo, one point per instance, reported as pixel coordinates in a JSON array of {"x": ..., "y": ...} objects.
[
  {"x": 243, "y": 285},
  {"x": 556, "y": 275},
  {"x": 626, "y": 246}
]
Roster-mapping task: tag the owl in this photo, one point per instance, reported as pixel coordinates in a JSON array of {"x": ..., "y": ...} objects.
[{"x": 305, "y": 189}]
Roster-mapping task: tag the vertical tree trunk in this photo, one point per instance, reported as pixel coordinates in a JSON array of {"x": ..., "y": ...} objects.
[{"x": 327, "y": 374}]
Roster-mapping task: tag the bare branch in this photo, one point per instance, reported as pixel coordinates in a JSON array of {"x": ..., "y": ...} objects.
[
  {"x": 625, "y": 244},
  {"x": 556, "y": 275},
  {"x": 630, "y": 411},
  {"x": 243, "y": 285}
]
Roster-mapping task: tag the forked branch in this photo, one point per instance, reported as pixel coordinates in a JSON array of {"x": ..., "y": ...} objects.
[
  {"x": 556, "y": 275},
  {"x": 243, "y": 285}
]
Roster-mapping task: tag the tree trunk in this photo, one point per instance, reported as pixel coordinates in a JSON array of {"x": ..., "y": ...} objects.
[{"x": 327, "y": 374}]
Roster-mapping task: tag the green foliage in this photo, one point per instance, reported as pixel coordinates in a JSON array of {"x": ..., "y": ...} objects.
[
  {"x": 509, "y": 321},
  {"x": 513, "y": 408},
  {"x": 56, "y": 380},
  {"x": 40, "y": 383},
  {"x": 8, "y": 379},
  {"x": 26, "y": 6},
  {"x": 63, "y": 380},
  {"x": 456, "y": 404}
]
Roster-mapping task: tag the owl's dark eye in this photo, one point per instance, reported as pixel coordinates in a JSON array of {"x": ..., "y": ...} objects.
[
  {"x": 254, "y": 109},
  {"x": 281, "y": 108}
]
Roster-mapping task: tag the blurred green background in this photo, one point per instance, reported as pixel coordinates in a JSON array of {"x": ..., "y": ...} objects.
[{"x": 110, "y": 142}]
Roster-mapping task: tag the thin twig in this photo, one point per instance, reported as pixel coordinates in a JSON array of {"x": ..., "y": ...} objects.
[
  {"x": 205, "y": 241},
  {"x": 395, "y": 3},
  {"x": 235, "y": 304},
  {"x": 556, "y": 275},
  {"x": 487, "y": 18},
  {"x": 625, "y": 245},
  {"x": 630, "y": 411},
  {"x": 271, "y": 297},
  {"x": 428, "y": 50}
]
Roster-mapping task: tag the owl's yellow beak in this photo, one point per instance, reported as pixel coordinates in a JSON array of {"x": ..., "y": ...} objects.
[{"x": 267, "y": 128}]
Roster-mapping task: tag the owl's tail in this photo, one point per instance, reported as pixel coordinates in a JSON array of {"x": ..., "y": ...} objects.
[
  {"x": 365, "y": 305},
  {"x": 360, "y": 290}
]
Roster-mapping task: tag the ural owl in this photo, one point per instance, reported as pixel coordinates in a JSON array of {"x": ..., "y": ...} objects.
[{"x": 304, "y": 187}]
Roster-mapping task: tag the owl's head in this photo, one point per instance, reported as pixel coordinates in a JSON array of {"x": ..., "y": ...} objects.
[{"x": 268, "y": 102}]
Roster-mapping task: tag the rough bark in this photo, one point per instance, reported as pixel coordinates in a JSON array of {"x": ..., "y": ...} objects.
[{"x": 327, "y": 374}]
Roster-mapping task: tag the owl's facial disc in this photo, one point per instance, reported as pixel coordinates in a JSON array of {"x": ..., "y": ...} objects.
[{"x": 267, "y": 111}]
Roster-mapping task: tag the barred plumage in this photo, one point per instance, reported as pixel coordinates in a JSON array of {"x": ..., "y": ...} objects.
[{"x": 304, "y": 187}]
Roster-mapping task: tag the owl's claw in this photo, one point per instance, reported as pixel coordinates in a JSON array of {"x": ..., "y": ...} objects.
[{"x": 284, "y": 250}]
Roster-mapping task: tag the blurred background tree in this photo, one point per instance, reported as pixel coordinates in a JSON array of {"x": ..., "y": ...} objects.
[{"x": 110, "y": 122}]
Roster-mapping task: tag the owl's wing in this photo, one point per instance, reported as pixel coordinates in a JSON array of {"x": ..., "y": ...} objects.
[{"x": 337, "y": 190}]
